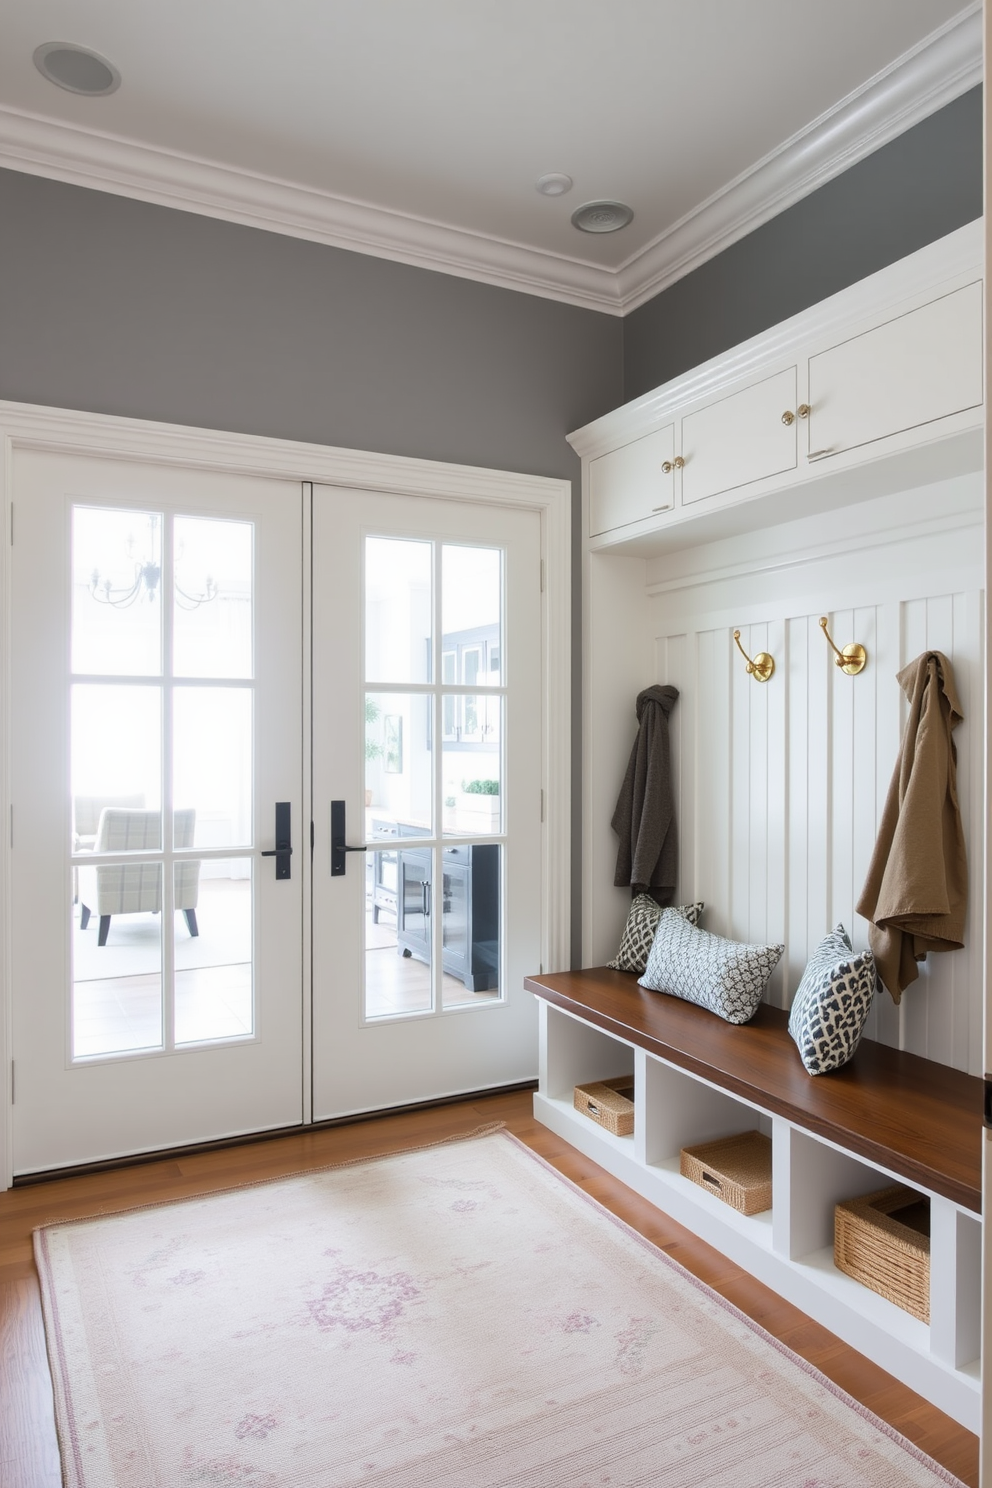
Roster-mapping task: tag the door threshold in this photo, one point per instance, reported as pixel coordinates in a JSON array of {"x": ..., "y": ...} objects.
[{"x": 167, "y": 1154}]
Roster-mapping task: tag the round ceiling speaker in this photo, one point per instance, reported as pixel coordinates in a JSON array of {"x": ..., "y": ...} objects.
[
  {"x": 76, "y": 68},
  {"x": 602, "y": 216},
  {"x": 556, "y": 183}
]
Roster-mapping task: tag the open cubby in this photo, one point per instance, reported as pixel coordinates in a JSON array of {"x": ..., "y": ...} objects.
[{"x": 886, "y": 1118}]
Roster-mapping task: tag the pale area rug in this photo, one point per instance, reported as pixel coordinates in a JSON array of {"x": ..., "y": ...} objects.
[{"x": 459, "y": 1316}]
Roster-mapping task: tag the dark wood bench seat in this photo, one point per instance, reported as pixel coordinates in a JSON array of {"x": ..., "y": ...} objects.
[{"x": 919, "y": 1119}]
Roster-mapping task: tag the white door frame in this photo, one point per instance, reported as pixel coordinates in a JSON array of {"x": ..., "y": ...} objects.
[{"x": 26, "y": 425}]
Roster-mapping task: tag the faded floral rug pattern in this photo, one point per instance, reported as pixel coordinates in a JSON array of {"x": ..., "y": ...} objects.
[{"x": 459, "y": 1316}]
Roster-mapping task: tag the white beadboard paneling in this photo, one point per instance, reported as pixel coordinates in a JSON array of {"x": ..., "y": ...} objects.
[{"x": 780, "y": 785}]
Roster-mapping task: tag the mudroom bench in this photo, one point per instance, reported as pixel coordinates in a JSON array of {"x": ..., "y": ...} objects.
[{"x": 887, "y": 1117}]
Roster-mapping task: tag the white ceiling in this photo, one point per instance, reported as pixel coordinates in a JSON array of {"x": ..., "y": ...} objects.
[{"x": 416, "y": 129}]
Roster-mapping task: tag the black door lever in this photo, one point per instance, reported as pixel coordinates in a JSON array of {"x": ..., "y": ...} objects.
[
  {"x": 283, "y": 850},
  {"x": 339, "y": 847}
]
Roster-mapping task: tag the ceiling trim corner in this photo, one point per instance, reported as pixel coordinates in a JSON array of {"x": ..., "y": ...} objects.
[
  {"x": 934, "y": 73},
  {"x": 943, "y": 67}
]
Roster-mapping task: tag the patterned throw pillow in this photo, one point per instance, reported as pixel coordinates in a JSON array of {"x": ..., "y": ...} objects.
[
  {"x": 832, "y": 1003},
  {"x": 725, "y": 976},
  {"x": 638, "y": 933}
]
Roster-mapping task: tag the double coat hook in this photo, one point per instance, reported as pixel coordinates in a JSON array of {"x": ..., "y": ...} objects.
[
  {"x": 760, "y": 667},
  {"x": 853, "y": 659}
]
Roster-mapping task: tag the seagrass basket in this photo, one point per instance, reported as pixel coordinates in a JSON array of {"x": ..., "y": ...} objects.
[
  {"x": 610, "y": 1103},
  {"x": 883, "y": 1241},
  {"x": 736, "y": 1169}
]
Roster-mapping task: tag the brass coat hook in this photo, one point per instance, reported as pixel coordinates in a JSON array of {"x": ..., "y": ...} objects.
[
  {"x": 853, "y": 659},
  {"x": 761, "y": 667}
]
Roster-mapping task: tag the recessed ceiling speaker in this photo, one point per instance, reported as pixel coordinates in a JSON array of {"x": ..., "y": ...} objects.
[
  {"x": 602, "y": 216},
  {"x": 556, "y": 183},
  {"x": 76, "y": 68}
]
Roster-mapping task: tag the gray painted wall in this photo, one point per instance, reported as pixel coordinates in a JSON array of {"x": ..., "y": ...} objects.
[
  {"x": 121, "y": 307},
  {"x": 912, "y": 191}
]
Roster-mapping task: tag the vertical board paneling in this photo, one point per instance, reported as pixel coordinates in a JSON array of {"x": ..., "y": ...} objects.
[
  {"x": 819, "y": 846},
  {"x": 843, "y": 758},
  {"x": 797, "y": 800},
  {"x": 884, "y": 1023},
  {"x": 937, "y": 1004},
  {"x": 754, "y": 922},
  {"x": 738, "y": 735},
  {"x": 781, "y": 786},
  {"x": 670, "y": 670},
  {"x": 776, "y": 813}
]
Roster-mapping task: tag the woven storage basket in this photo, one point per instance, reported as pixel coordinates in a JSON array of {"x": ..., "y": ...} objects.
[
  {"x": 883, "y": 1241},
  {"x": 737, "y": 1170},
  {"x": 610, "y": 1103}
]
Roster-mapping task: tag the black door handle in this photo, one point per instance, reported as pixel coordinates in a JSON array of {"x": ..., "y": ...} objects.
[
  {"x": 339, "y": 847},
  {"x": 283, "y": 850}
]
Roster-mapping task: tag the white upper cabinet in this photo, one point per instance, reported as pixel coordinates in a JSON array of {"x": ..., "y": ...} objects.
[
  {"x": 633, "y": 482},
  {"x": 900, "y": 375},
  {"x": 878, "y": 388},
  {"x": 739, "y": 439}
]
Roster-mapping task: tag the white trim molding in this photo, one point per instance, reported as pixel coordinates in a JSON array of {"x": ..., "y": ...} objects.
[
  {"x": 935, "y": 72},
  {"x": 942, "y": 67},
  {"x": 31, "y": 426}
]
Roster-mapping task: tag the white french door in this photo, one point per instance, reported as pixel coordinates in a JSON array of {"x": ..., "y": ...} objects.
[
  {"x": 428, "y": 736},
  {"x": 157, "y": 691}
]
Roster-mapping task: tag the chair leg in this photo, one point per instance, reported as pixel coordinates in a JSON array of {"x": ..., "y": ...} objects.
[
  {"x": 189, "y": 915},
  {"x": 104, "y": 930},
  {"x": 84, "y": 917}
]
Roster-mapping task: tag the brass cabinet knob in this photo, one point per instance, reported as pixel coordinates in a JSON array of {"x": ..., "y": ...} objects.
[
  {"x": 804, "y": 410},
  {"x": 670, "y": 465},
  {"x": 788, "y": 418}
]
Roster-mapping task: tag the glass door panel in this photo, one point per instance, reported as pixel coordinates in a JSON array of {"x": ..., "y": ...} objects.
[
  {"x": 157, "y": 666},
  {"x": 411, "y": 645},
  {"x": 212, "y": 598},
  {"x": 398, "y": 610},
  {"x": 213, "y": 949},
  {"x": 116, "y": 601},
  {"x": 398, "y": 944},
  {"x": 117, "y": 1004},
  {"x": 212, "y": 765}
]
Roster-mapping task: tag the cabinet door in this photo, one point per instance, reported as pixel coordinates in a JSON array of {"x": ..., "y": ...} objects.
[
  {"x": 740, "y": 438},
  {"x": 628, "y": 484},
  {"x": 921, "y": 366},
  {"x": 413, "y": 905}
]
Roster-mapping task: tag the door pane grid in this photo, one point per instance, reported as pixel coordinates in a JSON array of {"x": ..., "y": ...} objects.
[
  {"x": 141, "y": 900},
  {"x": 432, "y": 910}
]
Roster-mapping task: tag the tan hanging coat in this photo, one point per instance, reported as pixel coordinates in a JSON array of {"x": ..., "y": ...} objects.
[{"x": 916, "y": 891}]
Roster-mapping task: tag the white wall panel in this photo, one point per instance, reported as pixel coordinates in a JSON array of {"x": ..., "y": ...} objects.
[{"x": 780, "y": 785}]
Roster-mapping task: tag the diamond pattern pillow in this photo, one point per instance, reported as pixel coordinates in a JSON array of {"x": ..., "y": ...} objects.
[
  {"x": 725, "y": 976},
  {"x": 638, "y": 933},
  {"x": 832, "y": 1003}
]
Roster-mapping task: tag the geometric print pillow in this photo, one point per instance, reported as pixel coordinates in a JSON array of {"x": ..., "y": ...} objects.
[
  {"x": 725, "y": 976},
  {"x": 832, "y": 1004},
  {"x": 638, "y": 933}
]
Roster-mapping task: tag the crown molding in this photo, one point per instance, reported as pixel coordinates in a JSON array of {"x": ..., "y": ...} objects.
[
  {"x": 938, "y": 70},
  {"x": 103, "y": 162},
  {"x": 935, "y": 72}
]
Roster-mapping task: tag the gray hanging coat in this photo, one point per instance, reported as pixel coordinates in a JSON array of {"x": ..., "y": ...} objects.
[{"x": 644, "y": 818}]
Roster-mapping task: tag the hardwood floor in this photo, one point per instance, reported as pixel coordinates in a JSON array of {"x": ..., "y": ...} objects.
[{"x": 28, "y": 1449}]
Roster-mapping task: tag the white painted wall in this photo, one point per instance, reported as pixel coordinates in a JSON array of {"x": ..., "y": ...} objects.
[{"x": 780, "y": 785}]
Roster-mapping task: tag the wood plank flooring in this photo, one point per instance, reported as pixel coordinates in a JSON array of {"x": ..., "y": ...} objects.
[{"x": 28, "y": 1448}]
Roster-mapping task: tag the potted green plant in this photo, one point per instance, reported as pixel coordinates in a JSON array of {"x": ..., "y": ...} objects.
[{"x": 478, "y": 808}]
